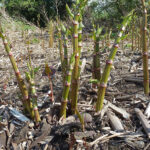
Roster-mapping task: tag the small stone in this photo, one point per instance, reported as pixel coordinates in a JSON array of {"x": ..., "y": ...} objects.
[
  {"x": 87, "y": 117},
  {"x": 31, "y": 125},
  {"x": 30, "y": 137},
  {"x": 29, "y": 133},
  {"x": 24, "y": 144},
  {"x": 47, "y": 110}
]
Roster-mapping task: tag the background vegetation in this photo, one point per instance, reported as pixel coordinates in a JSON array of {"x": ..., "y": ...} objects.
[{"x": 104, "y": 12}]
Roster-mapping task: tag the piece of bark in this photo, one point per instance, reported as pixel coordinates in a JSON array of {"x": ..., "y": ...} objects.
[
  {"x": 118, "y": 110},
  {"x": 9, "y": 133},
  {"x": 134, "y": 79},
  {"x": 147, "y": 111},
  {"x": 80, "y": 135},
  {"x": 126, "y": 97},
  {"x": 115, "y": 122},
  {"x": 144, "y": 121},
  {"x": 136, "y": 144},
  {"x": 97, "y": 140},
  {"x": 3, "y": 139},
  {"x": 45, "y": 130}
]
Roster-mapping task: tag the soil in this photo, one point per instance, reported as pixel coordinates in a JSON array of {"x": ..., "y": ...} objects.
[{"x": 125, "y": 90}]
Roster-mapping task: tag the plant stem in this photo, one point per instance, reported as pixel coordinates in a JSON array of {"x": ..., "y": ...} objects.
[
  {"x": 96, "y": 57},
  {"x": 26, "y": 102},
  {"x": 51, "y": 87},
  {"x": 51, "y": 34},
  {"x": 145, "y": 50},
  {"x": 33, "y": 98},
  {"x": 109, "y": 62},
  {"x": 67, "y": 87},
  {"x": 74, "y": 87},
  {"x": 65, "y": 62}
]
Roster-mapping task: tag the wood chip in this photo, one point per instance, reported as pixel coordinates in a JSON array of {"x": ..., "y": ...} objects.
[
  {"x": 115, "y": 122},
  {"x": 147, "y": 111},
  {"x": 144, "y": 121},
  {"x": 118, "y": 110}
]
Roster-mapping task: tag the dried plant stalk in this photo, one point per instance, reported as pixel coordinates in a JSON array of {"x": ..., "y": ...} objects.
[{"x": 51, "y": 34}]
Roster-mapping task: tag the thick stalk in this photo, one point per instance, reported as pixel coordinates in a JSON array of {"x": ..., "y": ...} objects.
[
  {"x": 109, "y": 62},
  {"x": 145, "y": 50},
  {"x": 74, "y": 87},
  {"x": 67, "y": 87}
]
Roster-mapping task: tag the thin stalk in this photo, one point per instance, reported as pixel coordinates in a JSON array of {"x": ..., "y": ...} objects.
[
  {"x": 141, "y": 33},
  {"x": 33, "y": 98},
  {"x": 61, "y": 51},
  {"x": 32, "y": 90},
  {"x": 96, "y": 56},
  {"x": 48, "y": 73},
  {"x": 26, "y": 102},
  {"x": 65, "y": 64},
  {"x": 51, "y": 87},
  {"x": 133, "y": 27},
  {"x": 109, "y": 62},
  {"x": 145, "y": 50},
  {"x": 65, "y": 44},
  {"x": 108, "y": 37},
  {"x": 80, "y": 36},
  {"x": 51, "y": 34},
  {"x": 81, "y": 118},
  {"x": 60, "y": 45},
  {"x": 67, "y": 87}
]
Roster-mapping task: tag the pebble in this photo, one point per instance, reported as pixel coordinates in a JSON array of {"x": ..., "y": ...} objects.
[
  {"x": 29, "y": 133},
  {"x": 30, "y": 137},
  {"x": 31, "y": 125},
  {"x": 87, "y": 117}
]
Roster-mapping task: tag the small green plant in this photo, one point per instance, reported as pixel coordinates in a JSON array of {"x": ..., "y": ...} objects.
[
  {"x": 76, "y": 16},
  {"x": 29, "y": 103},
  {"x": 128, "y": 45},
  {"x": 67, "y": 87},
  {"x": 32, "y": 90},
  {"x": 34, "y": 41},
  {"x": 109, "y": 62}
]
